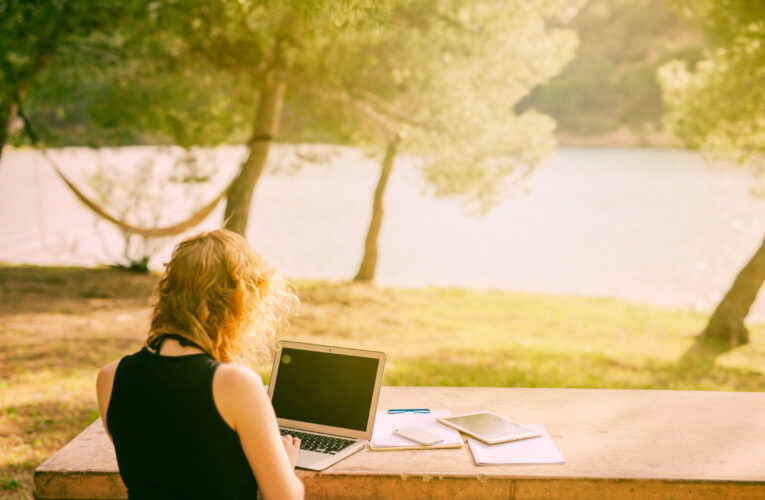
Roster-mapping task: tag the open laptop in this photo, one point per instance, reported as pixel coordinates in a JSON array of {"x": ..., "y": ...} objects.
[{"x": 326, "y": 396}]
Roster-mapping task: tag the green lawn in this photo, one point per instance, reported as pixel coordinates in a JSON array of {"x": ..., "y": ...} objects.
[{"x": 59, "y": 325}]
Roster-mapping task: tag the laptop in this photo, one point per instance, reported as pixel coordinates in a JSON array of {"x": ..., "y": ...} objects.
[{"x": 327, "y": 397}]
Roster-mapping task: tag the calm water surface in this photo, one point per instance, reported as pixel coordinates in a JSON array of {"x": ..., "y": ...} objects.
[{"x": 652, "y": 226}]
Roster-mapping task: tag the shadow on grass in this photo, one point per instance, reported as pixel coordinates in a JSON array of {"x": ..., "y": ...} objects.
[
  {"x": 701, "y": 355},
  {"x": 536, "y": 369},
  {"x": 344, "y": 293},
  {"x": 50, "y": 289},
  {"x": 63, "y": 355}
]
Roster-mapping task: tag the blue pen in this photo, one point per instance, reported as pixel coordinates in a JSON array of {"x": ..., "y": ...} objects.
[{"x": 408, "y": 410}]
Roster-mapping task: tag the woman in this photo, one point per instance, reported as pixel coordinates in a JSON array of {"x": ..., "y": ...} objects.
[{"x": 188, "y": 419}]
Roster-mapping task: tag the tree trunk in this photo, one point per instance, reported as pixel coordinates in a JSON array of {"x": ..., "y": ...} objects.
[
  {"x": 369, "y": 262},
  {"x": 7, "y": 112},
  {"x": 727, "y": 321},
  {"x": 264, "y": 133}
]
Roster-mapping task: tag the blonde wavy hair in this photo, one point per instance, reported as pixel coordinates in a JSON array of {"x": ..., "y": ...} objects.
[{"x": 217, "y": 292}]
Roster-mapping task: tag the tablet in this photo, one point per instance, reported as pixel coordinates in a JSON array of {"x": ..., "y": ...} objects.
[{"x": 489, "y": 428}]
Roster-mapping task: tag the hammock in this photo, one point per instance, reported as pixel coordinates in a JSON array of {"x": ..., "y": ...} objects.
[{"x": 153, "y": 232}]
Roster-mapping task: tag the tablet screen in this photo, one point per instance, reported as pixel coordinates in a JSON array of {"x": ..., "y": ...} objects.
[{"x": 489, "y": 425}]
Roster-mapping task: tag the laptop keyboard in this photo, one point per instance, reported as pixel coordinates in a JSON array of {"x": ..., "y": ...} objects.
[{"x": 319, "y": 442}]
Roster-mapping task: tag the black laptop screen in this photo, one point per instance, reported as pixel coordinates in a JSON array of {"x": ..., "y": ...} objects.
[{"x": 325, "y": 388}]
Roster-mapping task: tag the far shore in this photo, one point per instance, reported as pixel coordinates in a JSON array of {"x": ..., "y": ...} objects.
[{"x": 624, "y": 138}]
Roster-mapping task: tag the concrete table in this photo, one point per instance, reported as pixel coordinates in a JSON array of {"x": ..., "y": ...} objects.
[{"x": 617, "y": 444}]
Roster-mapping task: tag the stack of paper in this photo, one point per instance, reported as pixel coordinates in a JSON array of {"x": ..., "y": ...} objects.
[
  {"x": 384, "y": 438},
  {"x": 539, "y": 450}
]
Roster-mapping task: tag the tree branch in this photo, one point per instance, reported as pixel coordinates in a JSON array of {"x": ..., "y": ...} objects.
[
  {"x": 342, "y": 97},
  {"x": 382, "y": 107}
]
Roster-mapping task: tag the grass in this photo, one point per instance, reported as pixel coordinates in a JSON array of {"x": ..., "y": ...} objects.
[{"x": 59, "y": 325}]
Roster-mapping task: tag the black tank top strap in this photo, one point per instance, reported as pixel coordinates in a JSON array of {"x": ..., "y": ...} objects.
[{"x": 156, "y": 343}]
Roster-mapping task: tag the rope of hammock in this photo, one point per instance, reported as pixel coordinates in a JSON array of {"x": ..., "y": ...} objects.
[{"x": 153, "y": 232}]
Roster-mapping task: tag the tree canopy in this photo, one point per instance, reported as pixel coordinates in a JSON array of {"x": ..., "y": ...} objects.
[
  {"x": 36, "y": 37},
  {"x": 195, "y": 72},
  {"x": 719, "y": 104},
  {"x": 445, "y": 76}
]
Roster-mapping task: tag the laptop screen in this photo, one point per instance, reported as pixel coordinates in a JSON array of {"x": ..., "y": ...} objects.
[{"x": 324, "y": 388}]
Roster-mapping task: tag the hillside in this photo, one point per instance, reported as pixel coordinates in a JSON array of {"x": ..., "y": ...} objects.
[{"x": 609, "y": 96}]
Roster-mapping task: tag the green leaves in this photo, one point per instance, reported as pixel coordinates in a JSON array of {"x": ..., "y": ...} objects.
[
  {"x": 719, "y": 106},
  {"x": 449, "y": 74}
]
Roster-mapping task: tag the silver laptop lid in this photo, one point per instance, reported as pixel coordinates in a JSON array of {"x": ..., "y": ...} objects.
[{"x": 327, "y": 389}]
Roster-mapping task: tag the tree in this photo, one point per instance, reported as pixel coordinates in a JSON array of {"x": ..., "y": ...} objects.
[
  {"x": 311, "y": 48},
  {"x": 135, "y": 80},
  {"x": 110, "y": 83},
  {"x": 34, "y": 36},
  {"x": 200, "y": 72},
  {"x": 441, "y": 80},
  {"x": 262, "y": 46},
  {"x": 719, "y": 107},
  {"x": 189, "y": 72}
]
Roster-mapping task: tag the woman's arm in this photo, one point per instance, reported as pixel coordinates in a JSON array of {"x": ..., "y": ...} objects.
[
  {"x": 104, "y": 385},
  {"x": 243, "y": 403}
]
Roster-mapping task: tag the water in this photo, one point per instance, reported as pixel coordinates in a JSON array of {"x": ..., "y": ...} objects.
[{"x": 653, "y": 226}]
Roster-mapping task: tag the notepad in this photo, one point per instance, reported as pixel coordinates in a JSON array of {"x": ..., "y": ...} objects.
[
  {"x": 383, "y": 437},
  {"x": 539, "y": 450}
]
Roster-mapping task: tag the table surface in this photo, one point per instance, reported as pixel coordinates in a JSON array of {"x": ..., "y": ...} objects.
[{"x": 602, "y": 433}]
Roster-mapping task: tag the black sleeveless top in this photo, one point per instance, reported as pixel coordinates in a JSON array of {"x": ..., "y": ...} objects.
[{"x": 170, "y": 440}]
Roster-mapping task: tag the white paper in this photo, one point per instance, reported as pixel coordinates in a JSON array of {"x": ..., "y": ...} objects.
[
  {"x": 539, "y": 450},
  {"x": 385, "y": 424}
]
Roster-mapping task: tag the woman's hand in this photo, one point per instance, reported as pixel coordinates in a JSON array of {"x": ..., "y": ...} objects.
[{"x": 291, "y": 446}]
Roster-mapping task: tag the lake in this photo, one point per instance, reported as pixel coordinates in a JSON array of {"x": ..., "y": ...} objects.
[{"x": 655, "y": 226}]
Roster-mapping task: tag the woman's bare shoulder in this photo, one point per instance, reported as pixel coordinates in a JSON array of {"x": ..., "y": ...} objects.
[
  {"x": 237, "y": 377},
  {"x": 105, "y": 377},
  {"x": 238, "y": 392}
]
